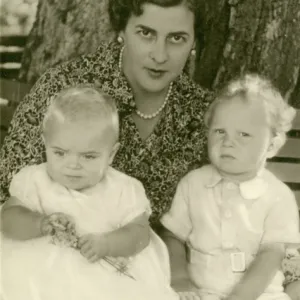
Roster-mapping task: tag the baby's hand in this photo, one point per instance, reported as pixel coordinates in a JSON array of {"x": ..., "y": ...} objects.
[
  {"x": 93, "y": 247},
  {"x": 61, "y": 221}
]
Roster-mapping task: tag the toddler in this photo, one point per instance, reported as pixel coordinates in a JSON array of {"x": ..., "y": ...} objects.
[
  {"x": 235, "y": 216},
  {"x": 74, "y": 227}
]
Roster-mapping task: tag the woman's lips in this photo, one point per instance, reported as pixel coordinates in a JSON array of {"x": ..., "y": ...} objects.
[
  {"x": 227, "y": 156},
  {"x": 155, "y": 73}
]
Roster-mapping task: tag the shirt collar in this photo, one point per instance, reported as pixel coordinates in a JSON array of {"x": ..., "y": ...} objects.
[{"x": 249, "y": 190}]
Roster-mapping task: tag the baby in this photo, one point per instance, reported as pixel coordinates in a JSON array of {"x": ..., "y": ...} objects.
[
  {"x": 74, "y": 227},
  {"x": 235, "y": 216}
]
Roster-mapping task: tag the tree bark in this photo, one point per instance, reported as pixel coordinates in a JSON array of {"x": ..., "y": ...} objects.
[
  {"x": 63, "y": 29},
  {"x": 251, "y": 35},
  {"x": 238, "y": 35}
]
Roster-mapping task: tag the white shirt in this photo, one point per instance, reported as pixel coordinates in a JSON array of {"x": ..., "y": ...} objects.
[
  {"x": 217, "y": 217},
  {"x": 112, "y": 203}
]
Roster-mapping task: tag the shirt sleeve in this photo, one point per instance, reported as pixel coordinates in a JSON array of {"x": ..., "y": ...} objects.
[
  {"x": 23, "y": 187},
  {"x": 282, "y": 221},
  {"x": 177, "y": 219},
  {"x": 133, "y": 203}
]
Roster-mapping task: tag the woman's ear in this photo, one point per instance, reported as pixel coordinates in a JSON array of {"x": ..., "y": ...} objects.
[{"x": 113, "y": 152}]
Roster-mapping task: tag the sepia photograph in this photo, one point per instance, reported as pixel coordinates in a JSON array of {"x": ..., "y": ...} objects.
[{"x": 150, "y": 150}]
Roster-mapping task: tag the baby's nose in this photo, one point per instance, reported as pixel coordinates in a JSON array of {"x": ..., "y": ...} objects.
[{"x": 73, "y": 161}]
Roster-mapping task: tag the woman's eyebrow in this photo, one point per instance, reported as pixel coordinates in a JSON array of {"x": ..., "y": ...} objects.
[
  {"x": 181, "y": 32},
  {"x": 145, "y": 27}
]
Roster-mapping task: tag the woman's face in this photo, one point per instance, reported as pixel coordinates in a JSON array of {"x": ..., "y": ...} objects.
[{"x": 157, "y": 46}]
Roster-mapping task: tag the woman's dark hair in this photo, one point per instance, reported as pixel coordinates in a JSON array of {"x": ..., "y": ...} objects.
[{"x": 121, "y": 10}]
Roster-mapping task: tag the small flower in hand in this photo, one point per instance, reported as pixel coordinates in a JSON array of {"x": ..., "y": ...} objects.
[
  {"x": 93, "y": 246},
  {"x": 56, "y": 221}
]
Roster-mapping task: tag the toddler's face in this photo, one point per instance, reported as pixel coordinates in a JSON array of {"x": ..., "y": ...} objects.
[
  {"x": 78, "y": 154},
  {"x": 239, "y": 138}
]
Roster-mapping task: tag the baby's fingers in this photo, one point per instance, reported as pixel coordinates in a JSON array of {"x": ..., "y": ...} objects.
[{"x": 83, "y": 240}]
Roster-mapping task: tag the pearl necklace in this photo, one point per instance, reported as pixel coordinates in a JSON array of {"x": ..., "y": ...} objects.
[{"x": 139, "y": 113}]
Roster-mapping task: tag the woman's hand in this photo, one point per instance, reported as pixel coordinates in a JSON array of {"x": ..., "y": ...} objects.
[
  {"x": 293, "y": 290},
  {"x": 56, "y": 221},
  {"x": 93, "y": 247}
]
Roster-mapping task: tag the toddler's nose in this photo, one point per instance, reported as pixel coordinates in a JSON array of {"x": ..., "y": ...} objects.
[{"x": 227, "y": 140}]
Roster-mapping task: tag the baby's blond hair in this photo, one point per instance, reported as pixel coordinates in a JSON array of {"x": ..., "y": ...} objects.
[
  {"x": 253, "y": 87},
  {"x": 82, "y": 103}
]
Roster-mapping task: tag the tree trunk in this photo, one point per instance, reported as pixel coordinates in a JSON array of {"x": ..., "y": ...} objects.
[
  {"x": 63, "y": 29},
  {"x": 238, "y": 35},
  {"x": 251, "y": 35}
]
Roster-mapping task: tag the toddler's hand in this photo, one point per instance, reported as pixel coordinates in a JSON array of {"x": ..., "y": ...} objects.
[
  {"x": 55, "y": 221},
  {"x": 185, "y": 289},
  {"x": 188, "y": 296},
  {"x": 93, "y": 247}
]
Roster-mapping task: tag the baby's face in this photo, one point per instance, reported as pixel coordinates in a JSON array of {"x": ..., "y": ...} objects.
[
  {"x": 78, "y": 154},
  {"x": 239, "y": 139}
]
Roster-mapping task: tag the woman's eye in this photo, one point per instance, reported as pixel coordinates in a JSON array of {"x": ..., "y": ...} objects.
[
  {"x": 145, "y": 33},
  {"x": 177, "y": 39}
]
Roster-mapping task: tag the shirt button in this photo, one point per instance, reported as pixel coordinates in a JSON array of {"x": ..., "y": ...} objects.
[
  {"x": 228, "y": 214},
  {"x": 230, "y": 186}
]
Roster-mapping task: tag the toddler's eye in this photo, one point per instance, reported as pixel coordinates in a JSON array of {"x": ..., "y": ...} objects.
[
  {"x": 244, "y": 134},
  {"x": 89, "y": 156}
]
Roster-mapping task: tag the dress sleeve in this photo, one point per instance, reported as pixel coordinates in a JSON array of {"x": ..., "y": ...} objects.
[
  {"x": 282, "y": 221},
  {"x": 134, "y": 202},
  {"x": 23, "y": 187},
  {"x": 177, "y": 219},
  {"x": 23, "y": 145}
]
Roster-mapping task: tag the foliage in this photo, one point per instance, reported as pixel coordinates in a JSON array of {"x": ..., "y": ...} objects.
[{"x": 17, "y": 16}]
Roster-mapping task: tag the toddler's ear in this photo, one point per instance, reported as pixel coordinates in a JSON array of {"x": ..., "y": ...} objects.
[{"x": 274, "y": 146}]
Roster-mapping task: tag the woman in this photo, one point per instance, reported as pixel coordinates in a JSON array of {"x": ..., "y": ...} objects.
[{"x": 160, "y": 108}]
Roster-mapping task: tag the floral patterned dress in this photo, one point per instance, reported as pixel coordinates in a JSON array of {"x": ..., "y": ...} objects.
[{"x": 177, "y": 144}]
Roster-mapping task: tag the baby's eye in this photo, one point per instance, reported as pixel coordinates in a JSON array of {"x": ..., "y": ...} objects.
[
  {"x": 59, "y": 153},
  {"x": 176, "y": 39},
  {"x": 219, "y": 131}
]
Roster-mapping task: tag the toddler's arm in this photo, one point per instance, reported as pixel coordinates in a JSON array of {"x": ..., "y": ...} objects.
[
  {"x": 180, "y": 280},
  {"x": 125, "y": 241},
  {"x": 260, "y": 273}
]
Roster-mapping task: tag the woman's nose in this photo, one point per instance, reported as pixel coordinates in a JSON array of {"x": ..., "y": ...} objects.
[{"x": 159, "y": 52}]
